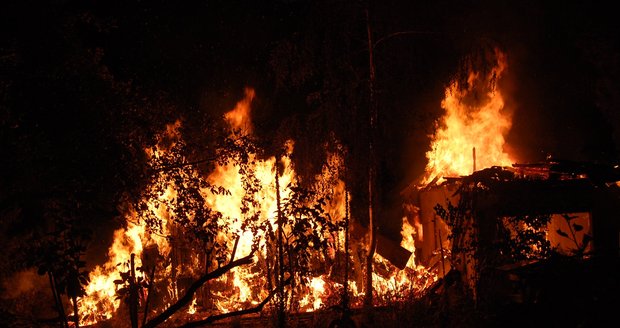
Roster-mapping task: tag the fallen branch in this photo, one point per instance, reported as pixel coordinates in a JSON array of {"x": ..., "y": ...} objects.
[
  {"x": 189, "y": 294},
  {"x": 222, "y": 316}
]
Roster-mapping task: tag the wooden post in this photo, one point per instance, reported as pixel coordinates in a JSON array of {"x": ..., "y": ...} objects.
[
  {"x": 474, "y": 156},
  {"x": 133, "y": 294}
]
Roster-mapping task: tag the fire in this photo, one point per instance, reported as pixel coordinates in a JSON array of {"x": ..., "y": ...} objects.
[
  {"x": 244, "y": 278},
  {"x": 250, "y": 192},
  {"x": 192, "y": 307},
  {"x": 239, "y": 117},
  {"x": 408, "y": 242},
  {"x": 470, "y": 134},
  {"x": 313, "y": 301},
  {"x": 411, "y": 281},
  {"x": 100, "y": 302}
]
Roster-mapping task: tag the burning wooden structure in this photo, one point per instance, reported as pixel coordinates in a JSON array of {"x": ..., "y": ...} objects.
[{"x": 468, "y": 221}]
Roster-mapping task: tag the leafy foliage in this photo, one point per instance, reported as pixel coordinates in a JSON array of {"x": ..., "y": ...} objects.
[
  {"x": 178, "y": 194},
  {"x": 307, "y": 232},
  {"x": 129, "y": 285},
  {"x": 306, "y": 229},
  {"x": 524, "y": 237},
  {"x": 459, "y": 219},
  {"x": 60, "y": 256}
]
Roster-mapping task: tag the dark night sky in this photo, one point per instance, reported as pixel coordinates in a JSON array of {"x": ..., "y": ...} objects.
[{"x": 62, "y": 63}]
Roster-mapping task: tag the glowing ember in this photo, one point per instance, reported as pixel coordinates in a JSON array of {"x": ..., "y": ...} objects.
[{"x": 466, "y": 125}]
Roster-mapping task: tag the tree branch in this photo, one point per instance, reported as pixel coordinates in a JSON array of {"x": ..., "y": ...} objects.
[
  {"x": 222, "y": 316},
  {"x": 189, "y": 294},
  {"x": 179, "y": 165}
]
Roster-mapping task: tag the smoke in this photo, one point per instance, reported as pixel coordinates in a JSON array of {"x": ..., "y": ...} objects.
[
  {"x": 23, "y": 283},
  {"x": 26, "y": 295}
]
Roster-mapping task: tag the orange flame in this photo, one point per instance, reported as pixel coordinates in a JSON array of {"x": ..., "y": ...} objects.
[
  {"x": 239, "y": 117},
  {"x": 465, "y": 126}
]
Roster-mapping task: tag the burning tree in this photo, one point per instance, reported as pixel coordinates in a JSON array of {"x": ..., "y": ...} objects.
[
  {"x": 188, "y": 228},
  {"x": 236, "y": 232}
]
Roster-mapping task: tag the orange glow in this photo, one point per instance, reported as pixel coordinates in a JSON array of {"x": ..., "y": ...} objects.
[
  {"x": 239, "y": 117},
  {"x": 467, "y": 125}
]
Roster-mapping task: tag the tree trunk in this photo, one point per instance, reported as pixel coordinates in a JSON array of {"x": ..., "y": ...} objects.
[
  {"x": 148, "y": 295},
  {"x": 57, "y": 300},
  {"x": 75, "y": 312},
  {"x": 345, "y": 296}
]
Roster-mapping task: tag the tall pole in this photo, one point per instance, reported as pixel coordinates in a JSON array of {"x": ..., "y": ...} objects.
[
  {"x": 474, "y": 157},
  {"x": 345, "y": 296},
  {"x": 372, "y": 165},
  {"x": 280, "y": 280}
]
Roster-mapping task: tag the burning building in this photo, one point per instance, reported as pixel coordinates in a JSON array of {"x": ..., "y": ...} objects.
[{"x": 499, "y": 226}]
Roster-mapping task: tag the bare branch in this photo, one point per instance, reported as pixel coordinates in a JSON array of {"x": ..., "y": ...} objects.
[{"x": 189, "y": 294}]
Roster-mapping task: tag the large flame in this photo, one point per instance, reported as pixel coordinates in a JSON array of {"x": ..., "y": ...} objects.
[
  {"x": 471, "y": 132},
  {"x": 239, "y": 117},
  {"x": 244, "y": 286}
]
